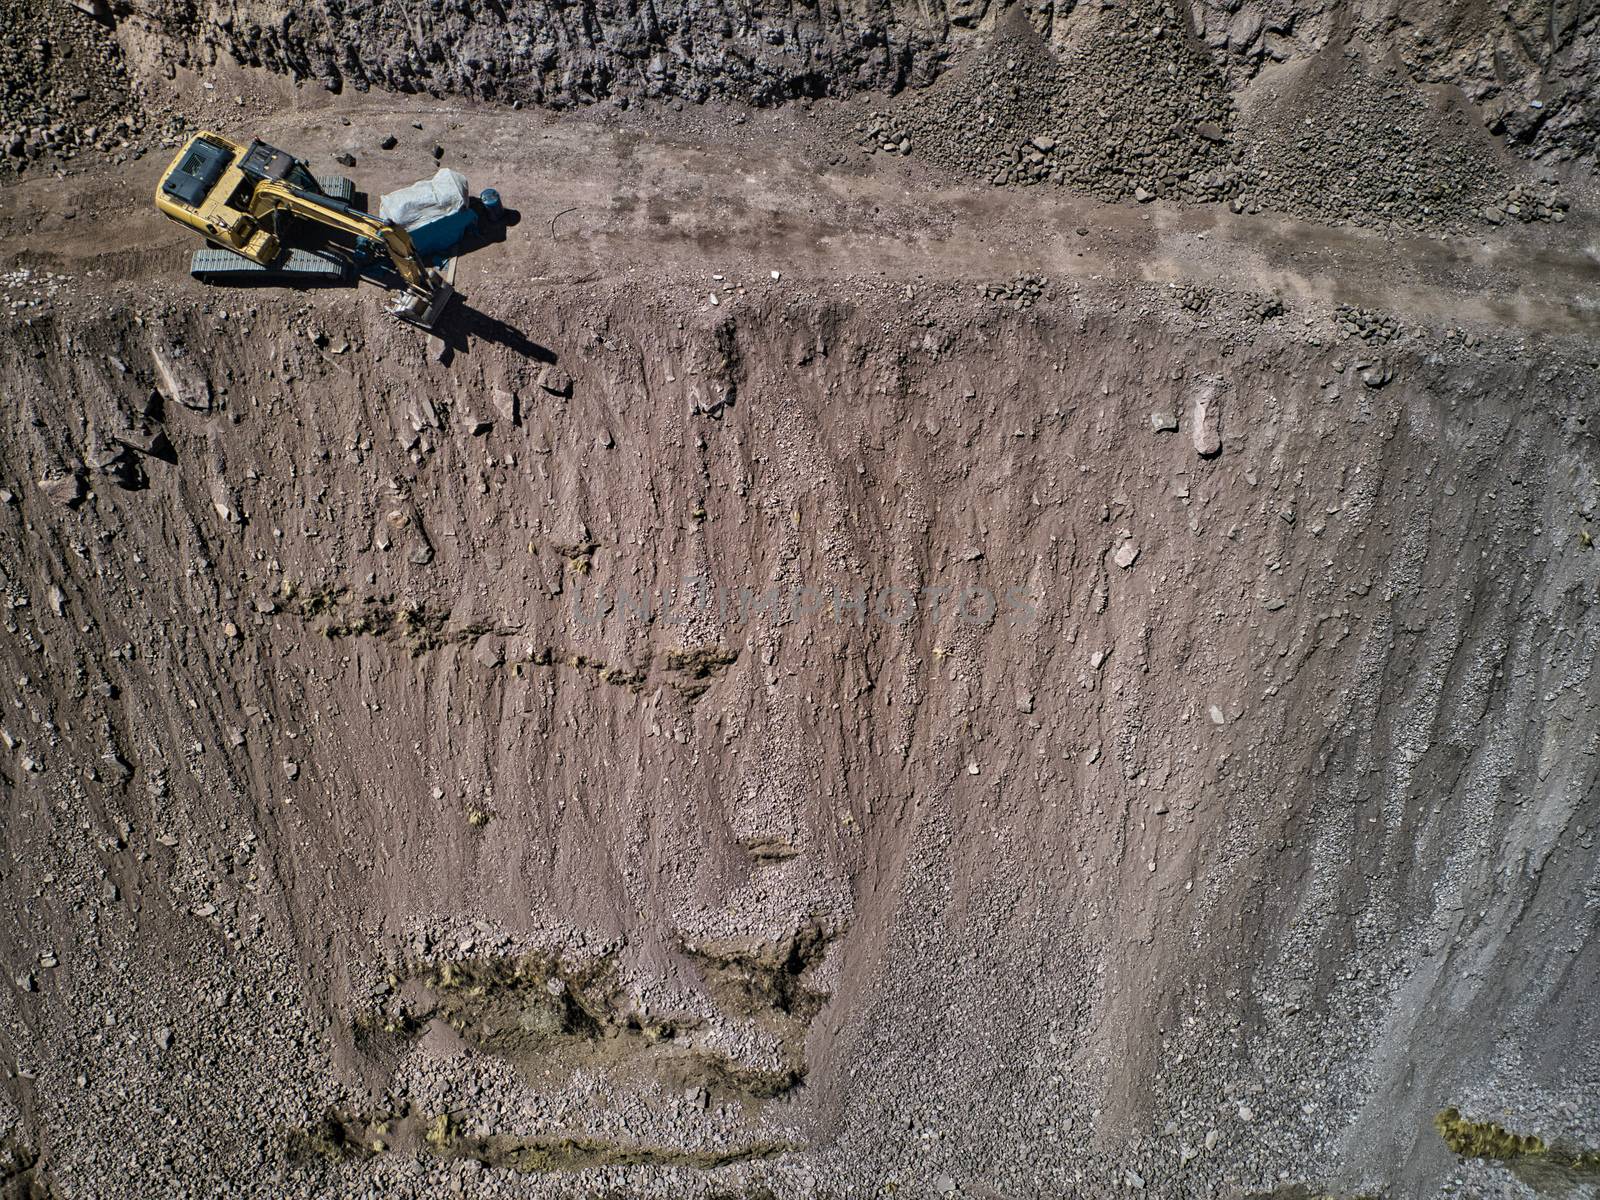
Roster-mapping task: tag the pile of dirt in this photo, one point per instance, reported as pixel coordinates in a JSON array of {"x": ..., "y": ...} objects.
[
  {"x": 1349, "y": 143},
  {"x": 1129, "y": 107},
  {"x": 64, "y": 87}
]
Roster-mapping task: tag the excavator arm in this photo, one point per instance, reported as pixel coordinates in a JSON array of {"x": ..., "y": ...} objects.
[{"x": 271, "y": 199}]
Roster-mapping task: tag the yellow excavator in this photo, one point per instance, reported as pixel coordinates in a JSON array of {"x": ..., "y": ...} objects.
[{"x": 268, "y": 219}]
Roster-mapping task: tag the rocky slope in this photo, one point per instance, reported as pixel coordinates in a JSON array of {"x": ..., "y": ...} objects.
[
  {"x": 64, "y": 85},
  {"x": 1528, "y": 71},
  {"x": 1372, "y": 113},
  {"x": 851, "y": 681},
  {"x": 1200, "y": 796}
]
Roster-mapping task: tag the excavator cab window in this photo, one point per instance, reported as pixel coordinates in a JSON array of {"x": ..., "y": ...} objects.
[
  {"x": 264, "y": 162},
  {"x": 303, "y": 179},
  {"x": 197, "y": 173}
]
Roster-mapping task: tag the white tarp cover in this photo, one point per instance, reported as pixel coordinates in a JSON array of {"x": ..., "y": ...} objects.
[{"x": 414, "y": 206}]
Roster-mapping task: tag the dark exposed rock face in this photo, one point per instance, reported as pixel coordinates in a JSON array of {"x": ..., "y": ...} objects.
[
  {"x": 1529, "y": 69},
  {"x": 550, "y": 52}
]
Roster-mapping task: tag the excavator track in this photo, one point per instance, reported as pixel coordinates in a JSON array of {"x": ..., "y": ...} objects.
[
  {"x": 215, "y": 265},
  {"x": 338, "y": 188}
]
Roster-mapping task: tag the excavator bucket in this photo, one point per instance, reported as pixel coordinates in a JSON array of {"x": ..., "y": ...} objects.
[{"x": 423, "y": 311}]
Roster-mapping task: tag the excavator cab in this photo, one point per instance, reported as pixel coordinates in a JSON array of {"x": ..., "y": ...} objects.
[
  {"x": 268, "y": 219},
  {"x": 264, "y": 162}
]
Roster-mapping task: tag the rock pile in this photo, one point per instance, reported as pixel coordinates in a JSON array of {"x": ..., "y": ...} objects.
[
  {"x": 877, "y": 133},
  {"x": 63, "y": 85},
  {"x": 1359, "y": 147},
  {"x": 1196, "y": 298},
  {"x": 26, "y": 292},
  {"x": 1266, "y": 308},
  {"x": 1019, "y": 294},
  {"x": 1526, "y": 204},
  {"x": 1129, "y": 107},
  {"x": 1374, "y": 328}
]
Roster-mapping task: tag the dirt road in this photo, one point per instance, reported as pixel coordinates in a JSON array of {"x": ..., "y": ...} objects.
[{"x": 748, "y": 193}]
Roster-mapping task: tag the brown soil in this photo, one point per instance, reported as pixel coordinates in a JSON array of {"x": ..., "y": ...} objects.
[{"x": 1222, "y": 808}]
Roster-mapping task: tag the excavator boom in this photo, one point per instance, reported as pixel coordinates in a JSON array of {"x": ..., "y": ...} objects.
[{"x": 273, "y": 199}]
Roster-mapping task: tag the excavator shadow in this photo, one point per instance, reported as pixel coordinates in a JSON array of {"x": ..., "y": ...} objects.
[{"x": 465, "y": 327}]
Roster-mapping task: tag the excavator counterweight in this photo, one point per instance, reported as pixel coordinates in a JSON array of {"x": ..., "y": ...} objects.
[{"x": 268, "y": 219}]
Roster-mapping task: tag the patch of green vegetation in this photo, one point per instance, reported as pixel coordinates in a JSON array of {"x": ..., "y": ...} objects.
[
  {"x": 579, "y": 556},
  {"x": 1546, "y": 1167},
  {"x": 771, "y": 849},
  {"x": 699, "y": 668},
  {"x": 524, "y": 1008},
  {"x": 421, "y": 628},
  {"x": 417, "y": 626},
  {"x": 756, "y": 978},
  {"x": 541, "y": 1013},
  {"x": 606, "y": 673},
  {"x": 702, "y": 663},
  {"x": 615, "y": 676},
  {"x": 1484, "y": 1139},
  {"x": 381, "y": 1033},
  {"x": 545, "y": 1154},
  {"x": 334, "y": 1136},
  {"x": 510, "y": 1005},
  {"x": 718, "y": 1074},
  {"x": 363, "y": 1136},
  {"x": 312, "y": 603}
]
